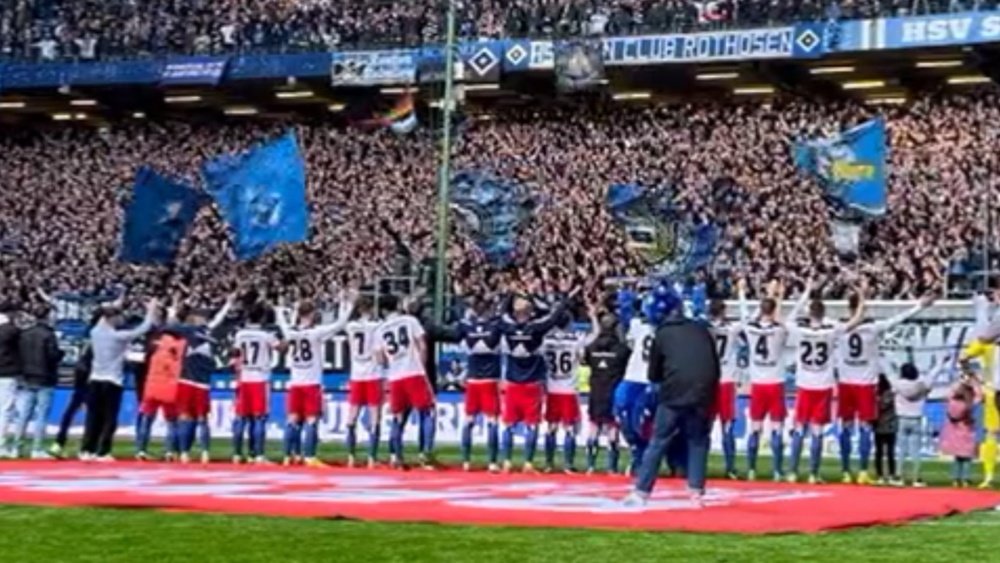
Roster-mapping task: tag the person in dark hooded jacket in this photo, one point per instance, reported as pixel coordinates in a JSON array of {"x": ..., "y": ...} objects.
[
  {"x": 40, "y": 357},
  {"x": 607, "y": 357}
]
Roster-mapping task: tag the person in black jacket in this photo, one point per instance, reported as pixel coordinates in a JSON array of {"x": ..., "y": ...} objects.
[
  {"x": 684, "y": 363},
  {"x": 40, "y": 357},
  {"x": 81, "y": 377},
  {"x": 10, "y": 369},
  {"x": 607, "y": 357}
]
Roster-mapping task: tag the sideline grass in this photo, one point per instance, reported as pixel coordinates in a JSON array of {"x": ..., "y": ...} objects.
[{"x": 55, "y": 535}]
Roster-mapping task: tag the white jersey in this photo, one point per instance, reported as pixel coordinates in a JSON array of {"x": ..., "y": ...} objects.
[
  {"x": 858, "y": 354},
  {"x": 563, "y": 352},
  {"x": 361, "y": 342},
  {"x": 397, "y": 338},
  {"x": 727, "y": 342},
  {"x": 640, "y": 340},
  {"x": 256, "y": 347},
  {"x": 767, "y": 341},
  {"x": 815, "y": 347}
]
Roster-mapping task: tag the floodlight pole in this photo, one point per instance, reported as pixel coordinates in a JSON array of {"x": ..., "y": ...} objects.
[{"x": 444, "y": 173}]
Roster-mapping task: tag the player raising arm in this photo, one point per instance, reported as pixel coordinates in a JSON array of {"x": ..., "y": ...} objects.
[
  {"x": 857, "y": 389},
  {"x": 306, "y": 355},
  {"x": 815, "y": 341},
  {"x": 257, "y": 348}
]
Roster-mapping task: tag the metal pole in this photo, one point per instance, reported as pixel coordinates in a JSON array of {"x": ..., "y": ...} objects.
[
  {"x": 444, "y": 174},
  {"x": 988, "y": 242}
]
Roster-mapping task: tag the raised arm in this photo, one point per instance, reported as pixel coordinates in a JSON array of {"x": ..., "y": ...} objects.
[
  {"x": 143, "y": 328},
  {"x": 859, "y": 314},
  {"x": 344, "y": 309},
  {"x": 279, "y": 316},
  {"x": 800, "y": 304},
  {"x": 595, "y": 326},
  {"x": 223, "y": 312},
  {"x": 886, "y": 324}
]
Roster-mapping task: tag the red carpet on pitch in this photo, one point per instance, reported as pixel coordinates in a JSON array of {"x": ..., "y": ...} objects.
[{"x": 453, "y": 497}]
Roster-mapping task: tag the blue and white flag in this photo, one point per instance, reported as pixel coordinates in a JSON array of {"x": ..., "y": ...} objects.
[
  {"x": 261, "y": 195},
  {"x": 160, "y": 214},
  {"x": 491, "y": 209},
  {"x": 850, "y": 167}
]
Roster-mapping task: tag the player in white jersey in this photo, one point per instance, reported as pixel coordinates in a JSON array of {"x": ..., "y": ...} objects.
[
  {"x": 858, "y": 367},
  {"x": 815, "y": 342},
  {"x": 256, "y": 349},
  {"x": 766, "y": 339},
  {"x": 630, "y": 395},
  {"x": 401, "y": 349},
  {"x": 365, "y": 389},
  {"x": 727, "y": 341},
  {"x": 563, "y": 350},
  {"x": 306, "y": 356}
]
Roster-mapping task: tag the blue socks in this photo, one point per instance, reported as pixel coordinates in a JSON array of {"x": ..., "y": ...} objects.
[
  {"x": 569, "y": 450},
  {"x": 374, "y": 435},
  {"x": 753, "y": 447},
  {"x": 865, "y": 445},
  {"x": 352, "y": 439},
  {"x": 508, "y": 443},
  {"x": 591, "y": 453},
  {"x": 258, "y": 434},
  {"x": 311, "y": 440},
  {"x": 845, "y": 448},
  {"x": 173, "y": 437},
  {"x": 613, "y": 456},
  {"x": 204, "y": 435},
  {"x": 467, "y": 441},
  {"x": 729, "y": 447},
  {"x": 778, "y": 451},
  {"x": 797, "y": 439},
  {"x": 550, "y": 449},
  {"x": 187, "y": 429},
  {"x": 491, "y": 440},
  {"x": 530, "y": 444},
  {"x": 396, "y": 438},
  {"x": 239, "y": 425},
  {"x": 293, "y": 439},
  {"x": 143, "y": 427},
  {"x": 428, "y": 425},
  {"x": 815, "y": 453}
]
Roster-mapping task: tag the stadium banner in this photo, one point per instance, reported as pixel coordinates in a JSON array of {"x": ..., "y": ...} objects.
[
  {"x": 450, "y": 418},
  {"x": 482, "y": 61},
  {"x": 374, "y": 68},
  {"x": 937, "y": 30},
  {"x": 191, "y": 71},
  {"x": 800, "y": 41},
  {"x": 579, "y": 65}
]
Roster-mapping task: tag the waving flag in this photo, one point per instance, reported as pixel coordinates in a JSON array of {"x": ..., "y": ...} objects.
[
  {"x": 261, "y": 195},
  {"x": 850, "y": 167},
  {"x": 491, "y": 209},
  {"x": 160, "y": 214}
]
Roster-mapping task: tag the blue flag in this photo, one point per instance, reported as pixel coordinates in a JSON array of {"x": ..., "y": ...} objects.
[
  {"x": 849, "y": 166},
  {"x": 261, "y": 195},
  {"x": 159, "y": 215},
  {"x": 492, "y": 209}
]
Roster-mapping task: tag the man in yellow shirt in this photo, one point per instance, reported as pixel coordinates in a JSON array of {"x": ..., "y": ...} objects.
[{"x": 984, "y": 348}]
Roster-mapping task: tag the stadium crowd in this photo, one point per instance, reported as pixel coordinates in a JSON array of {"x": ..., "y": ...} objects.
[
  {"x": 372, "y": 198},
  {"x": 90, "y": 29}
]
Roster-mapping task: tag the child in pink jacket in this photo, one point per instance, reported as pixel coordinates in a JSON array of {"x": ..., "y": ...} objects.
[{"x": 958, "y": 435}]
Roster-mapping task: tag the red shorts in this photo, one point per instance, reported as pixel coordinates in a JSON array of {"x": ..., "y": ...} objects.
[
  {"x": 812, "y": 406},
  {"x": 368, "y": 393},
  {"x": 522, "y": 402},
  {"x": 305, "y": 401},
  {"x": 857, "y": 401},
  {"x": 562, "y": 408},
  {"x": 482, "y": 396},
  {"x": 767, "y": 400},
  {"x": 725, "y": 402},
  {"x": 149, "y": 407},
  {"x": 193, "y": 401},
  {"x": 412, "y": 392},
  {"x": 252, "y": 398}
]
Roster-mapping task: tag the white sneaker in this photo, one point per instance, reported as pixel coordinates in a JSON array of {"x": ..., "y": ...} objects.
[
  {"x": 56, "y": 451},
  {"x": 85, "y": 457},
  {"x": 104, "y": 459},
  {"x": 635, "y": 499},
  {"x": 237, "y": 460},
  {"x": 493, "y": 468},
  {"x": 205, "y": 458},
  {"x": 141, "y": 456},
  {"x": 261, "y": 460},
  {"x": 185, "y": 458},
  {"x": 41, "y": 455},
  {"x": 466, "y": 466}
]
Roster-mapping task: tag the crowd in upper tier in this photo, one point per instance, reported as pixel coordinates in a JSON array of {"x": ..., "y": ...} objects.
[
  {"x": 107, "y": 29},
  {"x": 372, "y": 197}
]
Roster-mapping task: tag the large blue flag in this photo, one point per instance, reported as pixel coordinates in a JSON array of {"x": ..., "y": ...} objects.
[
  {"x": 850, "y": 166},
  {"x": 262, "y": 195},
  {"x": 160, "y": 214}
]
